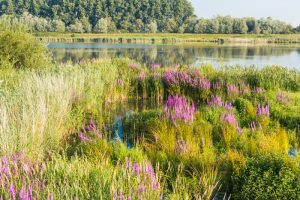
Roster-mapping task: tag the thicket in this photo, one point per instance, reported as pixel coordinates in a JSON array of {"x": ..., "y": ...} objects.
[{"x": 19, "y": 49}]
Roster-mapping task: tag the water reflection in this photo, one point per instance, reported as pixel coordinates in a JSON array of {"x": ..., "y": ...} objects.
[{"x": 193, "y": 55}]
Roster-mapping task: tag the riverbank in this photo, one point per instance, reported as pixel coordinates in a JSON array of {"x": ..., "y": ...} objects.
[{"x": 168, "y": 38}]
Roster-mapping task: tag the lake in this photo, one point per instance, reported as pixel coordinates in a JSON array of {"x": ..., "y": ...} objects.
[{"x": 192, "y": 55}]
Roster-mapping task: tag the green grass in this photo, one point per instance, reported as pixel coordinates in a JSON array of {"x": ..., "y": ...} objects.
[{"x": 169, "y": 38}]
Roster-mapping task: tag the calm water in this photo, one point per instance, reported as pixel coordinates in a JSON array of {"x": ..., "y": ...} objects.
[{"x": 193, "y": 55}]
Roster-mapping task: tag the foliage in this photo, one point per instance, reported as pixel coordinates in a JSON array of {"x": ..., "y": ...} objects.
[
  {"x": 144, "y": 16},
  {"x": 102, "y": 16},
  {"x": 267, "y": 177},
  {"x": 21, "y": 50}
]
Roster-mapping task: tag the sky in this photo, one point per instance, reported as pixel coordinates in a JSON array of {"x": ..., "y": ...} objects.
[{"x": 286, "y": 10}]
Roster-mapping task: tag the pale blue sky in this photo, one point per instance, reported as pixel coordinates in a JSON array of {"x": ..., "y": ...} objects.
[{"x": 286, "y": 10}]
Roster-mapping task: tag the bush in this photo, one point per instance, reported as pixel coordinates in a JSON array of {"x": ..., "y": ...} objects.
[
  {"x": 267, "y": 177},
  {"x": 21, "y": 50}
]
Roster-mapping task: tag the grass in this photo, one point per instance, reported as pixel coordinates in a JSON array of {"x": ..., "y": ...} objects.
[
  {"x": 63, "y": 120},
  {"x": 169, "y": 38}
]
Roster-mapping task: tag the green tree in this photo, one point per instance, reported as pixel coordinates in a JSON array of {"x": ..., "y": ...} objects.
[
  {"x": 77, "y": 27},
  {"x": 58, "y": 26},
  {"x": 171, "y": 25},
  {"x": 201, "y": 26},
  {"x": 101, "y": 26},
  {"x": 240, "y": 26},
  {"x": 152, "y": 27}
]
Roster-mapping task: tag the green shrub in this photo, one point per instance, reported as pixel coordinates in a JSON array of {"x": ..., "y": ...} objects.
[
  {"x": 267, "y": 177},
  {"x": 19, "y": 49},
  {"x": 246, "y": 111}
]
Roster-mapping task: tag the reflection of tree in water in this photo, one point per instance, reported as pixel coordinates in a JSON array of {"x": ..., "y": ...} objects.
[{"x": 167, "y": 55}]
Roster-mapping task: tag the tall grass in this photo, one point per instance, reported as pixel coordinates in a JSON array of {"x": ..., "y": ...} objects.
[{"x": 39, "y": 110}]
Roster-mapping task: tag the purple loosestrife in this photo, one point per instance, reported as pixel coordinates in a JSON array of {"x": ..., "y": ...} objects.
[
  {"x": 141, "y": 76},
  {"x": 145, "y": 178},
  {"x": 203, "y": 83},
  {"x": 253, "y": 126},
  {"x": 282, "y": 98},
  {"x": 133, "y": 65},
  {"x": 179, "y": 108},
  {"x": 26, "y": 180},
  {"x": 81, "y": 62},
  {"x": 258, "y": 91},
  {"x": 245, "y": 89},
  {"x": 218, "y": 84},
  {"x": 217, "y": 101},
  {"x": 90, "y": 132},
  {"x": 119, "y": 82},
  {"x": 232, "y": 89},
  {"x": 181, "y": 146},
  {"x": 184, "y": 78},
  {"x": 170, "y": 77},
  {"x": 12, "y": 191},
  {"x": 196, "y": 72},
  {"x": 230, "y": 119},
  {"x": 263, "y": 110},
  {"x": 154, "y": 66}
]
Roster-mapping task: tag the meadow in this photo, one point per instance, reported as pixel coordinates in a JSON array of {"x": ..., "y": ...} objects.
[{"x": 190, "y": 133}]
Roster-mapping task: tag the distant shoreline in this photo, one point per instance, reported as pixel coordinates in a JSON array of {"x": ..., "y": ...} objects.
[{"x": 169, "y": 38}]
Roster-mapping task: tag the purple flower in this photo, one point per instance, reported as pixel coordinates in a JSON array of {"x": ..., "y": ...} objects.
[
  {"x": 50, "y": 197},
  {"x": 155, "y": 66},
  {"x": 12, "y": 191},
  {"x": 119, "y": 82},
  {"x": 141, "y": 189},
  {"x": 282, "y": 98},
  {"x": 202, "y": 83},
  {"x": 263, "y": 110},
  {"x": 232, "y": 89},
  {"x": 253, "y": 127},
  {"x": 136, "y": 168},
  {"x": 245, "y": 89},
  {"x": 121, "y": 194},
  {"x": 218, "y": 84},
  {"x": 258, "y": 91},
  {"x": 181, "y": 146},
  {"x": 178, "y": 108},
  {"x": 115, "y": 196},
  {"x": 84, "y": 138},
  {"x": 141, "y": 77},
  {"x": 133, "y": 65},
  {"x": 88, "y": 132},
  {"x": 155, "y": 185},
  {"x": 229, "y": 118},
  {"x": 170, "y": 77},
  {"x": 81, "y": 62},
  {"x": 217, "y": 101}
]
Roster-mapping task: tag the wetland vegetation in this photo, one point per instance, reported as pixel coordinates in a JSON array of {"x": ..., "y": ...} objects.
[{"x": 118, "y": 129}]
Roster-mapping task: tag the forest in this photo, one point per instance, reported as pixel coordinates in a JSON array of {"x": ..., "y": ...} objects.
[{"x": 134, "y": 16}]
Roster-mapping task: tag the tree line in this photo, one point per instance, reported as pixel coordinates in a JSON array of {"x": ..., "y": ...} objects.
[{"x": 104, "y": 16}]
